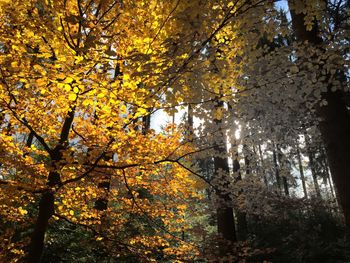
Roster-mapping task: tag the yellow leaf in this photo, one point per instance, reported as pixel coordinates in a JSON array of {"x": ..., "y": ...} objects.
[
  {"x": 78, "y": 59},
  {"x": 72, "y": 96},
  {"x": 22, "y": 211},
  {"x": 142, "y": 111},
  {"x": 71, "y": 212},
  {"x": 68, "y": 80},
  {"x": 87, "y": 102},
  {"x": 67, "y": 87},
  {"x": 14, "y": 64},
  {"x": 123, "y": 109}
]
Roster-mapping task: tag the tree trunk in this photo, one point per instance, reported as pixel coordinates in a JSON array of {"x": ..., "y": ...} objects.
[
  {"x": 146, "y": 121},
  {"x": 327, "y": 174},
  {"x": 334, "y": 124},
  {"x": 301, "y": 171},
  {"x": 224, "y": 212},
  {"x": 282, "y": 165},
  {"x": 263, "y": 166},
  {"x": 190, "y": 123},
  {"x": 225, "y": 219},
  {"x": 335, "y": 129},
  {"x": 312, "y": 166},
  {"x": 277, "y": 172},
  {"x": 47, "y": 200},
  {"x": 104, "y": 185},
  {"x": 242, "y": 225},
  {"x": 46, "y": 210}
]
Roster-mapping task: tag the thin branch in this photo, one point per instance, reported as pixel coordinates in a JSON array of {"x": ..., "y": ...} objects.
[
  {"x": 30, "y": 128},
  {"x": 23, "y": 187}
]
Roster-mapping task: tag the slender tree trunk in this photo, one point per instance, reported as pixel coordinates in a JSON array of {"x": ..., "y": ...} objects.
[
  {"x": 330, "y": 186},
  {"x": 281, "y": 162},
  {"x": 190, "y": 127},
  {"x": 328, "y": 179},
  {"x": 312, "y": 166},
  {"x": 242, "y": 225},
  {"x": 301, "y": 171},
  {"x": 276, "y": 168},
  {"x": 262, "y": 165},
  {"x": 334, "y": 124},
  {"x": 224, "y": 212},
  {"x": 225, "y": 219},
  {"x": 327, "y": 176},
  {"x": 146, "y": 121}
]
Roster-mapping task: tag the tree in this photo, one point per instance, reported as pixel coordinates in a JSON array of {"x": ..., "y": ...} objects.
[
  {"x": 86, "y": 150},
  {"x": 334, "y": 114},
  {"x": 81, "y": 81}
]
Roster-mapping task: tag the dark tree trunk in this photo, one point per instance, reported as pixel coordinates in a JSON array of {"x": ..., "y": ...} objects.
[
  {"x": 282, "y": 165},
  {"x": 301, "y": 171},
  {"x": 263, "y": 166},
  {"x": 276, "y": 168},
  {"x": 312, "y": 166},
  {"x": 224, "y": 212},
  {"x": 190, "y": 123},
  {"x": 335, "y": 129},
  {"x": 327, "y": 174},
  {"x": 334, "y": 124},
  {"x": 104, "y": 185},
  {"x": 46, "y": 210},
  {"x": 225, "y": 219},
  {"x": 242, "y": 225},
  {"x": 146, "y": 121}
]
